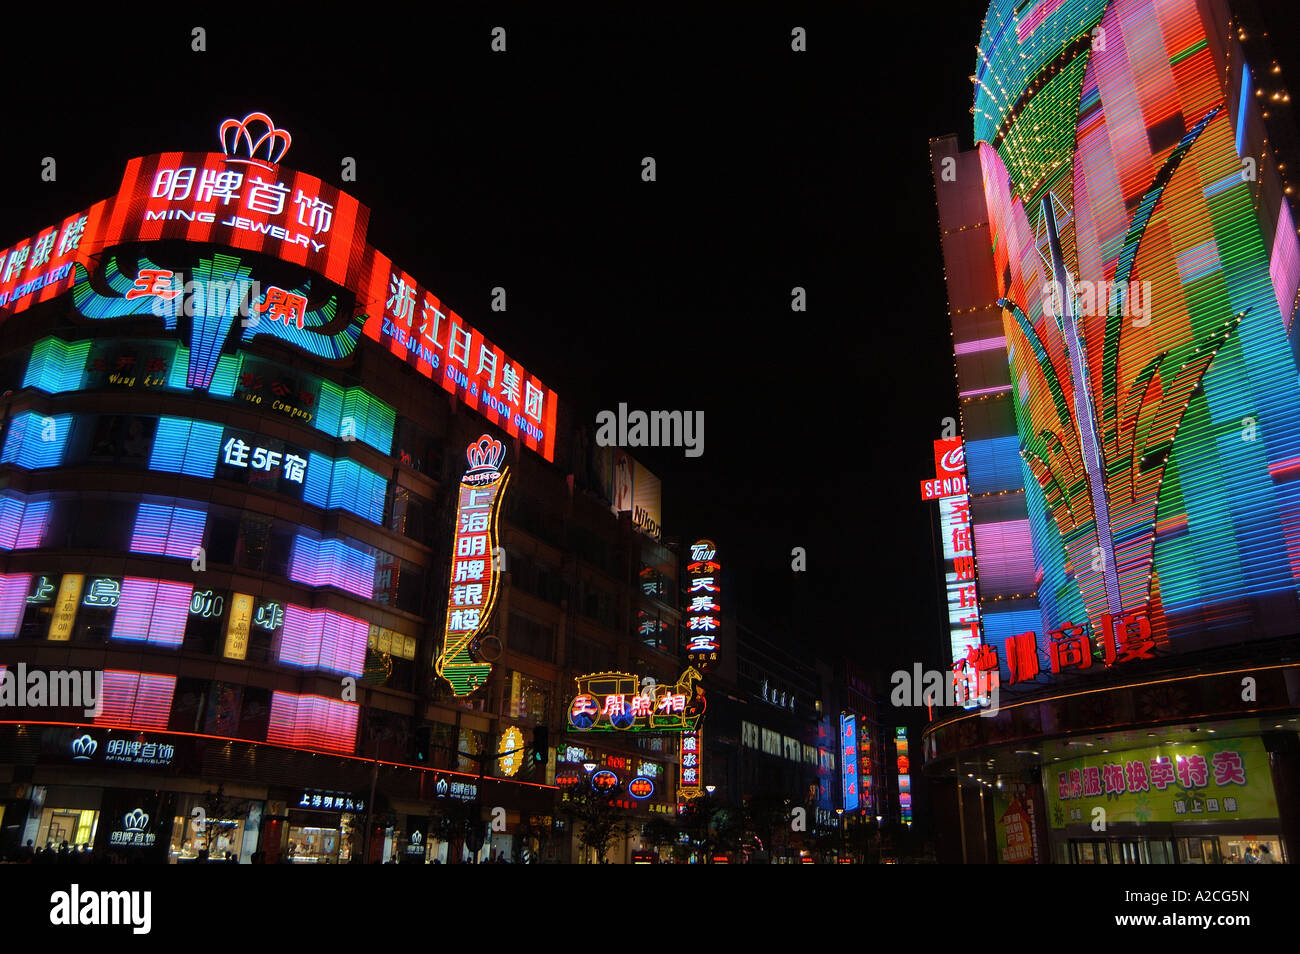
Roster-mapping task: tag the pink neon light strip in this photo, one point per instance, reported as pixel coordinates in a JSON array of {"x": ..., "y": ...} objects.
[
  {"x": 13, "y": 602},
  {"x": 136, "y": 700},
  {"x": 982, "y": 344},
  {"x": 312, "y": 722},
  {"x": 979, "y": 391}
]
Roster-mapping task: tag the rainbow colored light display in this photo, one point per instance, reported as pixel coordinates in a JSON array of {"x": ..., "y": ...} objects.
[{"x": 1147, "y": 299}]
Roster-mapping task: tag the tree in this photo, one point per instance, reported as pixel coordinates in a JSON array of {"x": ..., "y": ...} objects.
[
  {"x": 599, "y": 821},
  {"x": 660, "y": 833},
  {"x": 766, "y": 815},
  {"x": 711, "y": 827},
  {"x": 220, "y": 818}
]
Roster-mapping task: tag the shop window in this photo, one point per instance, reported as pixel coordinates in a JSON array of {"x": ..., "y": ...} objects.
[
  {"x": 530, "y": 637},
  {"x": 221, "y": 834},
  {"x": 410, "y": 589},
  {"x": 443, "y": 742},
  {"x": 408, "y": 514},
  {"x": 417, "y": 448},
  {"x": 471, "y": 742},
  {"x": 188, "y": 705},
  {"x": 322, "y": 838},
  {"x": 254, "y": 540},
  {"x": 76, "y": 826},
  {"x": 120, "y": 440},
  {"x": 222, "y": 536},
  {"x": 527, "y": 698},
  {"x": 254, "y": 713}
]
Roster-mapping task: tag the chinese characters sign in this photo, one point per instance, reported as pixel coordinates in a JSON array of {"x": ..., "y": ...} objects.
[
  {"x": 474, "y": 579},
  {"x": 849, "y": 760},
  {"x": 904, "y": 774},
  {"x": 614, "y": 701},
  {"x": 203, "y": 197},
  {"x": 1223, "y": 780},
  {"x": 415, "y": 325},
  {"x": 703, "y": 582},
  {"x": 692, "y": 764},
  {"x": 959, "y": 564},
  {"x": 1121, "y": 639},
  {"x": 39, "y": 268},
  {"x": 330, "y": 801}
]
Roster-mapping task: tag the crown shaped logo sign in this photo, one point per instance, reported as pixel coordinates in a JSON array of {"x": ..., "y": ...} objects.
[
  {"x": 485, "y": 454},
  {"x": 416, "y": 838},
  {"x": 441, "y": 787},
  {"x": 135, "y": 820},
  {"x": 84, "y": 747},
  {"x": 253, "y": 140}
]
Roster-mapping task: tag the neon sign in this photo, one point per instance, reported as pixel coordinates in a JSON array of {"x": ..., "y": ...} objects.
[
  {"x": 640, "y": 787},
  {"x": 949, "y": 470},
  {"x": 473, "y": 588},
  {"x": 241, "y": 134},
  {"x": 1119, "y": 639},
  {"x": 604, "y": 781},
  {"x": 958, "y": 537},
  {"x": 618, "y": 701},
  {"x": 691, "y": 763},
  {"x": 849, "y": 760},
  {"x": 702, "y": 613},
  {"x": 510, "y": 754},
  {"x": 904, "y": 774}
]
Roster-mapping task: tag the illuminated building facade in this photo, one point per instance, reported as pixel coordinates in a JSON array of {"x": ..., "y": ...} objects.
[
  {"x": 233, "y": 467},
  {"x": 1122, "y": 266}
]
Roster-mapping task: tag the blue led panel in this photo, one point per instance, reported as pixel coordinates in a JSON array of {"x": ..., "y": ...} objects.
[{"x": 35, "y": 440}]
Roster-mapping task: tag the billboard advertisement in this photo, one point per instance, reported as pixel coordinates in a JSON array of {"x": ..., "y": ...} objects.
[{"x": 1222, "y": 780}]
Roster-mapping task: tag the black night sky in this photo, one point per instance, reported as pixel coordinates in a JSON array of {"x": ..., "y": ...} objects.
[{"x": 523, "y": 169}]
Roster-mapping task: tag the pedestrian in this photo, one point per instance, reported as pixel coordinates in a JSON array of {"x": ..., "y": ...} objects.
[
  {"x": 1265, "y": 856},
  {"x": 28, "y": 854},
  {"x": 1249, "y": 857}
]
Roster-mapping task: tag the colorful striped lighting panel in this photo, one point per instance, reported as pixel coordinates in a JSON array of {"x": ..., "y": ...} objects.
[
  {"x": 323, "y": 639},
  {"x": 168, "y": 531},
  {"x": 152, "y": 610},
  {"x": 314, "y": 722},
  {"x": 183, "y": 446},
  {"x": 136, "y": 700},
  {"x": 56, "y": 366},
  {"x": 332, "y": 563},
  {"x": 22, "y": 522},
  {"x": 13, "y": 602},
  {"x": 35, "y": 440}
]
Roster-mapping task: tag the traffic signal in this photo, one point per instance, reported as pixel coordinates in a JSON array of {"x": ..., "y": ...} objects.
[
  {"x": 423, "y": 736},
  {"x": 541, "y": 748}
]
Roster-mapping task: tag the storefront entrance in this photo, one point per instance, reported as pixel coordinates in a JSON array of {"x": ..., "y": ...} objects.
[
  {"x": 1120, "y": 851},
  {"x": 320, "y": 838}
]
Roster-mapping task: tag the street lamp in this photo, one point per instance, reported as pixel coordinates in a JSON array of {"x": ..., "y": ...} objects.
[
  {"x": 710, "y": 788},
  {"x": 589, "y": 766},
  {"x": 840, "y": 813}
]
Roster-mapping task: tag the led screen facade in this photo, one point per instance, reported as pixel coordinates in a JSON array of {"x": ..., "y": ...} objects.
[{"x": 1147, "y": 286}]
